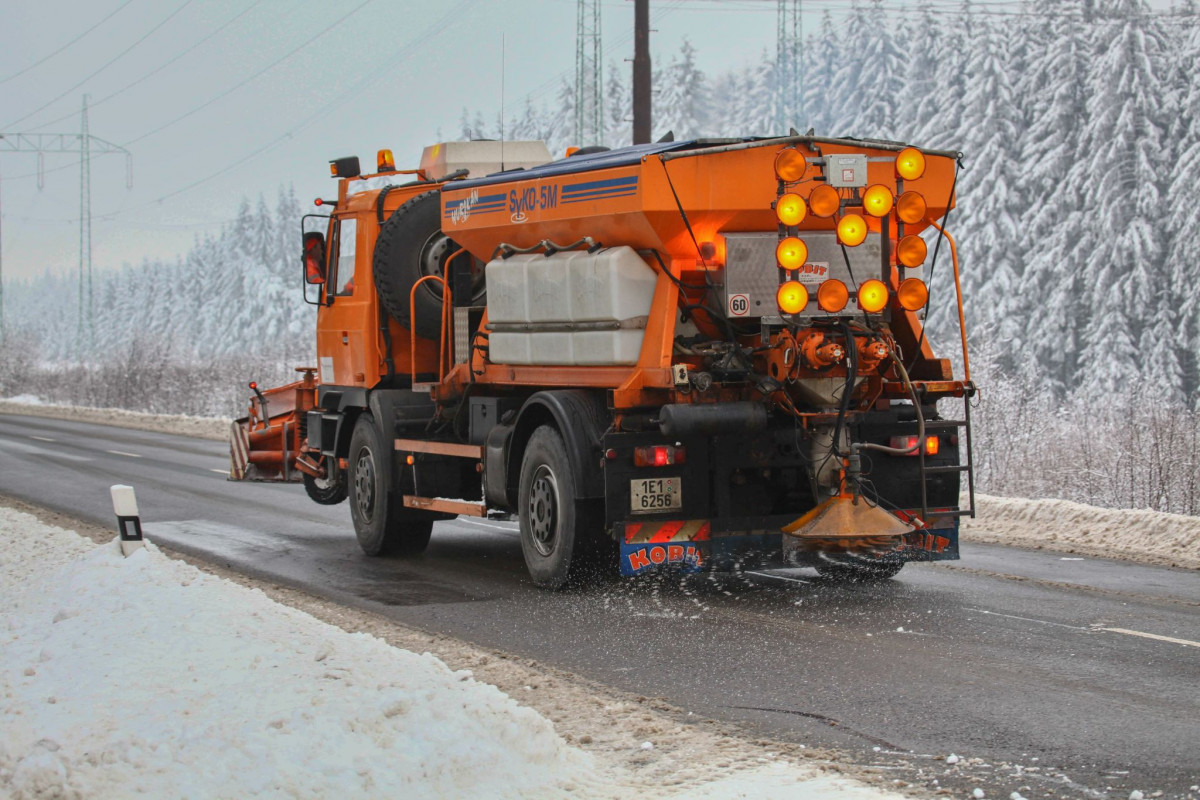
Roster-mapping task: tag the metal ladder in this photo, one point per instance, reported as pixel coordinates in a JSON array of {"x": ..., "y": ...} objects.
[{"x": 968, "y": 468}]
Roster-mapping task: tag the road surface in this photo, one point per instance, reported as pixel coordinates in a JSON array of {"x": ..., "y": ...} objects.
[{"x": 1048, "y": 674}]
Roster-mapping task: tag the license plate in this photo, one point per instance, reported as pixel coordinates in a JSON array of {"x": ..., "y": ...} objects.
[{"x": 655, "y": 495}]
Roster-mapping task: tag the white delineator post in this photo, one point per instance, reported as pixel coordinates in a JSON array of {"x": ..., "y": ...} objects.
[{"x": 130, "y": 525}]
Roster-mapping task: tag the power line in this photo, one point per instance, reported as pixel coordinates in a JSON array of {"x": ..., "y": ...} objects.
[
  {"x": 440, "y": 25},
  {"x": 195, "y": 109},
  {"x": 258, "y": 74},
  {"x": 455, "y": 14},
  {"x": 46, "y": 58},
  {"x": 107, "y": 64},
  {"x": 161, "y": 67}
]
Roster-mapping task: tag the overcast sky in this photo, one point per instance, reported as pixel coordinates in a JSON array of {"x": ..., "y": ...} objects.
[{"x": 221, "y": 99}]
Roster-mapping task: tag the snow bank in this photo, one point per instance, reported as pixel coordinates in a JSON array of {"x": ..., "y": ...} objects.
[
  {"x": 198, "y": 427},
  {"x": 146, "y": 676},
  {"x": 1152, "y": 537}
]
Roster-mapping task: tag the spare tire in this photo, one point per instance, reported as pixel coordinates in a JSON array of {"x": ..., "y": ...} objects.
[{"x": 410, "y": 246}]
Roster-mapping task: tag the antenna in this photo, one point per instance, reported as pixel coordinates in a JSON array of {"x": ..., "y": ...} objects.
[{"x": 502, "y": 59}]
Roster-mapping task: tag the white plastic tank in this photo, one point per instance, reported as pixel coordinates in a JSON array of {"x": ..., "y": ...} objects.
[{"x": 569, "y": 308}]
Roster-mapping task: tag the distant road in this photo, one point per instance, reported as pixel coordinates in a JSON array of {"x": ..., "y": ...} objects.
[{"x": 1049, "y": 672}]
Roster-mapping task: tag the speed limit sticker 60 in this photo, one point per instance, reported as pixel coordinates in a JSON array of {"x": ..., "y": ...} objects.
[{"x": 739, "y": 305}]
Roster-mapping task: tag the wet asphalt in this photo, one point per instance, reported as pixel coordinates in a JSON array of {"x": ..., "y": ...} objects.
[{"x": 1043, "y": 672}]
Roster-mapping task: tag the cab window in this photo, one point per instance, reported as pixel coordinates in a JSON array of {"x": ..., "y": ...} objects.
[{"x": 342, "y": 251}]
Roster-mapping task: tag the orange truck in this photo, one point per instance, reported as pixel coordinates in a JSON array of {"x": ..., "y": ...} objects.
[{"x": 681, "y": 355}]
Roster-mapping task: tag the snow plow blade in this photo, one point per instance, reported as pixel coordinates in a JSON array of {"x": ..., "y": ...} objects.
[
  {"x": 846, "y": 524},
  {"x": 268, "y": 443}
]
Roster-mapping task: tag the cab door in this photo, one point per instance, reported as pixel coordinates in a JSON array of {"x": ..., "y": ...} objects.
[{"x": 344, "y": 314}]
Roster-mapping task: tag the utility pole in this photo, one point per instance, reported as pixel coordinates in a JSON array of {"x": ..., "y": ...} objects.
[
  {"x": 1, "y": 265},
  {"x": 85, "y": 232},
  {"x": 641, "y": 71},
  {"x": 589, "y": 98},
  {"x": 84, "y": 144}
]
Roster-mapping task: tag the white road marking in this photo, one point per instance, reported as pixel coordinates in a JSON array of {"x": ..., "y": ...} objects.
[
  {"x": 1144, "y": 635},
  {"x": 493, "y": 526},
  {"x": 42, "y": 438},
  {"x": 1026, "y": 619},
  {"x": 1125, "y": 631},
  {"x": 29, "y": 449},
  {"x": 777, "y": 577},
  {"x": 123, "y": 453},
  {"x": 219, "y": 471}
]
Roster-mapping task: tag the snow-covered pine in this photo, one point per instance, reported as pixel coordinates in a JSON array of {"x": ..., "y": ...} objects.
[
  {"x": 1050, "y": 146},
  {"x": 988, "y": 194},
  {"x": 1125, "y": 265},
  {"x": 683, "y": 97},
  {"x": 1183, "y": 210},
  {"x": 618, "y": 100},
  {"x": 880, "y": 77}
]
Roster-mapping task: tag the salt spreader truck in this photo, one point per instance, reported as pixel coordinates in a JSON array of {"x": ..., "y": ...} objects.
[{"x": 680, "y": 355}]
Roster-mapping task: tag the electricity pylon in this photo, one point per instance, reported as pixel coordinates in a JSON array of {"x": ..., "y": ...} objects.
[
  {"x": 589, "y": 102},
  {"x": 789, "y": 100},
  {"x": 85, "y": 145}
]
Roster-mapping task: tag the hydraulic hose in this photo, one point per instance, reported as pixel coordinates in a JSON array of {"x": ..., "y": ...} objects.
[{"x": 912, "y": 392}]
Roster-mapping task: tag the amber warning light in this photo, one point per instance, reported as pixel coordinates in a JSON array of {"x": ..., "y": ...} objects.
[{"x": 932, "y": 444}]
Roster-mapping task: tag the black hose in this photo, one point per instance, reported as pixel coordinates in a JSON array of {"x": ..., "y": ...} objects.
[
  {"x": 851, "y": 374},
  {"x": 937, "y": 249}
]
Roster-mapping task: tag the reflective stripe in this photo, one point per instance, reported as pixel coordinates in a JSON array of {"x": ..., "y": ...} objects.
[{"x": 694, "y": 530}]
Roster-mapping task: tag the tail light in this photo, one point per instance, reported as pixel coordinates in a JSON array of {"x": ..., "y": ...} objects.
[
  {"x": 659, "y": 455},
  {"x": 932, "y": 444}
]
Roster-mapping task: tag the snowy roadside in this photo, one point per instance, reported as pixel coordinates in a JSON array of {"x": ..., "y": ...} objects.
[
  {"x": 1151, "y": 537},
  {"x": 148, "y": 675},
  {"x": 197, "y": 427}
]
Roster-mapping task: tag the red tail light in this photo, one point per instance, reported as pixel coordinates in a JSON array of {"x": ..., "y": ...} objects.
[
  {"x": 932, "y": 444},
  {"x": 659, "y": 455}
]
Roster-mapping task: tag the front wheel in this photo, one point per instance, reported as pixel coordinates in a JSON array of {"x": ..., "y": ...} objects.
[
  {"x": 554, "y": 534},
  {"x": 381, "y": 522},
  {"x": 330, "y": 490}
]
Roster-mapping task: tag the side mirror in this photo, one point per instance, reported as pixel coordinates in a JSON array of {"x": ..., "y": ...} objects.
[{"x": 314, "y": 258}]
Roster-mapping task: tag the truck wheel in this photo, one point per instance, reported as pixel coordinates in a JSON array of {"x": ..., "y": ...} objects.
[
  {"x": 410, "y": 246},
  {"x": 328, "y": 491},
  {"x": 850, "y": 568},
  {"x": 554, "y": 535},
  {"x": 381, "y": 522}
]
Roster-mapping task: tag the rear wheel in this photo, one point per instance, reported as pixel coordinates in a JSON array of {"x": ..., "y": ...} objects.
[
  {"x": 557, "y": 533},
  {"x": 381, "y": 522}
]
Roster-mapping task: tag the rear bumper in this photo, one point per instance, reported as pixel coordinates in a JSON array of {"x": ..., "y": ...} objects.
[{"x": 691, "y": 546}]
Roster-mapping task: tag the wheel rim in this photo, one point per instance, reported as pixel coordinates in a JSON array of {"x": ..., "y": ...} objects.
[
  {"x": 434, "y": 254},
  {"x": 543, "y": 510},
  {"x": 364, "y": 484}
]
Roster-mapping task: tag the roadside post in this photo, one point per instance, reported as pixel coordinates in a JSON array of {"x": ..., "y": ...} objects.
[{"x": 128, "y": 522}]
